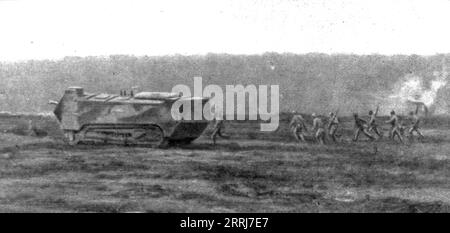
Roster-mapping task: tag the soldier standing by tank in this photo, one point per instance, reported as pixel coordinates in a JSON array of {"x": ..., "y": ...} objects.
[
  {"x": 218, "y": 131},
  {"x": 360, "y": 126},
  {"x": 318, "y": 126},
  {"x": 333, "y": 124},
  {"x": 395, "y": 127},
  {"x": 298, "y": 127},
  {"x": 415, "y": 122},
  {"x": 373, "y": 126}
]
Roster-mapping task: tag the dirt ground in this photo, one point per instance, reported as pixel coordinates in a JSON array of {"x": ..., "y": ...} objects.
[{"x": 251, "y": 172}]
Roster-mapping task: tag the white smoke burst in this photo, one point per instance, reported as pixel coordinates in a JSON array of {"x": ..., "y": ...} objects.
[{"x": 412, "y": 90}]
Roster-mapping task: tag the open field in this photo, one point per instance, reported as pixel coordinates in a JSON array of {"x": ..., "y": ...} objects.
[{"x": 253, "y": 171}]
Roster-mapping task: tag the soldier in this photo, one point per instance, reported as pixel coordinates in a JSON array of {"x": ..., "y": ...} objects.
[
  {"x": 218, "y": 131},
  {"x": 318, "y": 126},
  {"x": 360, "y": 126},
  {"x": 298, "y": 127},
  {"x": 333, "y": 124},
  {"x": 402, "y": 127},
  {"x": 395, "y": 127},
  {"x": 373, "y": 126},
  {"x": 415, "y": 121}
]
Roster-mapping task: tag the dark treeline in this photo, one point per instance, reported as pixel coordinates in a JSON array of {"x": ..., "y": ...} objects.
[{"x": 310, "y": 82}]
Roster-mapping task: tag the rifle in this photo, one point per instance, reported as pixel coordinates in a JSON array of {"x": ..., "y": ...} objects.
[{"x": 332, "y": 119}]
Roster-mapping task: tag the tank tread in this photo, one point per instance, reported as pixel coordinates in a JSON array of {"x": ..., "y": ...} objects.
[{"x": 127, "y": 134}]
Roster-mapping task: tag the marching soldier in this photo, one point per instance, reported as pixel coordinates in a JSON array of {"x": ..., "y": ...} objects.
[
  {"x": 333, "y": 124},
  {"x": 360, "y": 126},
  {"x": 218, "y": 131},
  {"x": 395, "y": 127},
  {"x": 318, "y": 126},
  {"x": 373, "y": 126},
  {"x": 298, "y": 127},
  {"x": 415, "y": 121}
]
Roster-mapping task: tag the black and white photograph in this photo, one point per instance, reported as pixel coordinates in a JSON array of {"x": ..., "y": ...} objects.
[{"x": 224, "y": 106}]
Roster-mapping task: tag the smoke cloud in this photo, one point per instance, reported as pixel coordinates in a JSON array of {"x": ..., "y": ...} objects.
[{"x": 415, "y": 90}]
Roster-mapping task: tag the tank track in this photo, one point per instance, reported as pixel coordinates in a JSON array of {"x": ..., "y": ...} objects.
[{"x": 126, "y": 134}]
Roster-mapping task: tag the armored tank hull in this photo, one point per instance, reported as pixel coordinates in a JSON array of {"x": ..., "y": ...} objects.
[{"x": 141, "y": 119}]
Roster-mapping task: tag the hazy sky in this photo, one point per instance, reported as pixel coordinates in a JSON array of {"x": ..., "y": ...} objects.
[{"x": 54, "y": 29}]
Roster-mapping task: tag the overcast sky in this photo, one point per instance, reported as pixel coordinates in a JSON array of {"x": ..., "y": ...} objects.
[{"x": 43, "y": 29}]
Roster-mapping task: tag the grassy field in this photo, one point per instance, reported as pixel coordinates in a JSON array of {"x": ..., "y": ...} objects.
[{"x": 251, "y": 172}]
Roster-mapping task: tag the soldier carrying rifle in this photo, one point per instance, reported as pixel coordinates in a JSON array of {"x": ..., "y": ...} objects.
[
  {"x": 318, "y": 126},
  {"x": 298, "y": 127},
  {"x": 415, "y": 122},
  {"x": 395, "y": 127},
  {"x": 360, "y": 127},
  {"x": 333, "y": 124},
  {"x": 373, "y": 126}
]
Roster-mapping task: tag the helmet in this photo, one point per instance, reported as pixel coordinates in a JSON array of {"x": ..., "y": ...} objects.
[
  {"x": 331, "y": 113},
  {"x": 370, "y": 112},
  {"x": 313, "y": 115}
]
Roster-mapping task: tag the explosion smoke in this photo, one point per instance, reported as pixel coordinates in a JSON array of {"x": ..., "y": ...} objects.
[{"x": 411, "y": 90}]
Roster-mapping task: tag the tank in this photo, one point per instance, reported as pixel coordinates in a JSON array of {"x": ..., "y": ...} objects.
[{"x": 141, "y": 119}]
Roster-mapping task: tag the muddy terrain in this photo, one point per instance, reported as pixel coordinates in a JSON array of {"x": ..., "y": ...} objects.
[{"x": 252, "y": 172}]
